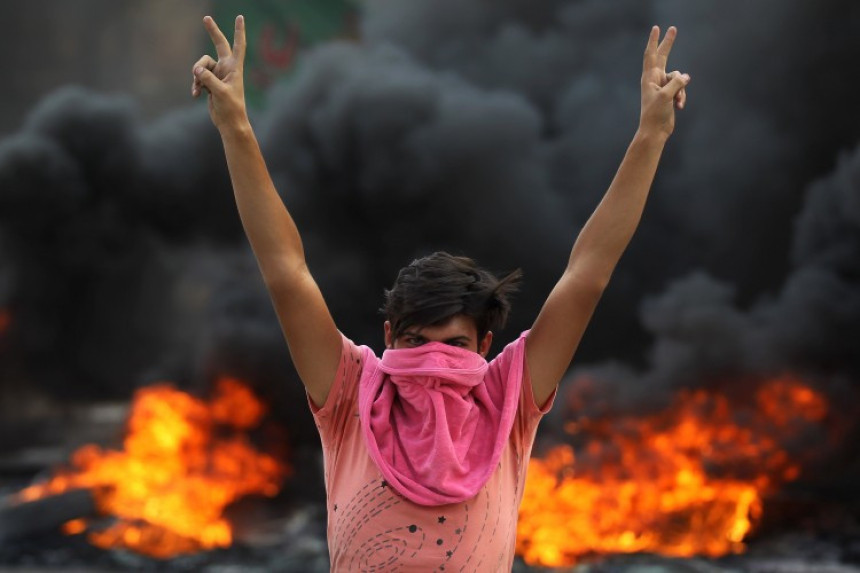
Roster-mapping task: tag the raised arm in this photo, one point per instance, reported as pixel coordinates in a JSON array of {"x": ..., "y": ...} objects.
[
  {"x": 561, "y": 323},
  {"x": 313, "y": 338}
]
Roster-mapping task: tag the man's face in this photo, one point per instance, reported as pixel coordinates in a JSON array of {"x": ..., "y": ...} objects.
[{"x": 459, "y": 331}]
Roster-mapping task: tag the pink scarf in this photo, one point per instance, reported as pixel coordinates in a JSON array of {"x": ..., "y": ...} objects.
[{"x": 432, "y": 425}]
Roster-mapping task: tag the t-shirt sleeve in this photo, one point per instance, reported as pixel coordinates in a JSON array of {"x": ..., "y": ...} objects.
[
  {"x": 529, "y": 413},
  {"x": 332, "y": 417}
]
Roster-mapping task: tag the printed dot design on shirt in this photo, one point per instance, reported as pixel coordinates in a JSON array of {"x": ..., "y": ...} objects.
[
  {"x": 468, "y": 565},
  {"x": 451, "y": 547},
  {"x": 367, "y": 503},
  {"x": 383, "y": 550}
]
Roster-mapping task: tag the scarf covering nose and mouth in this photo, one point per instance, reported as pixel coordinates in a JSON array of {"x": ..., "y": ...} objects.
[{"x": 432, "y": 423}]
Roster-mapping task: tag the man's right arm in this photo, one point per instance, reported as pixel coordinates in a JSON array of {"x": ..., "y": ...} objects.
[{"x": 313, "y": 339}]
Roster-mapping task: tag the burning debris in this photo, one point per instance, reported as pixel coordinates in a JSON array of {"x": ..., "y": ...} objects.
[
  {"x": 183, "y": 461},
  {"x": 682, "y": 458},
  {"x": 688, "y": 481}
]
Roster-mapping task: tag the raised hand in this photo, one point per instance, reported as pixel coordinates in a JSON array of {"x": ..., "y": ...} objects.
[
  {"x": 223, "y": 78},
  {"x": 661, "y": 92}
]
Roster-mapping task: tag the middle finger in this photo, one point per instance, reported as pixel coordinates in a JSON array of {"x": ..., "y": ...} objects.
[{"x": 666, "y": 46}]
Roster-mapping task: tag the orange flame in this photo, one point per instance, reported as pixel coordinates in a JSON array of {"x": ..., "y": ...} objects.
[
  {"x": 686, "y": 482},
  {"x": 74, "y": 526},
  {"x": 171, "y": 483}
]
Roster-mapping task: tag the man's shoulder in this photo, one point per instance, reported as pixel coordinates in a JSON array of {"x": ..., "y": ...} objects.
[
  {"x": 514, "y": 350},
  {"x": 358, "y": 354}
]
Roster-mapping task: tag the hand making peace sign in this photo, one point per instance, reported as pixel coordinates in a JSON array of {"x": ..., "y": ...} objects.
[
  {"x": 661, "y": 92},
  {"x": 223, "y": 78}
]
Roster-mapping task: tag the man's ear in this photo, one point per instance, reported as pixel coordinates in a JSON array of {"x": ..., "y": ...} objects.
[
  {"x": 484, "y": 345},
  {"x": 388, "y": 342}
]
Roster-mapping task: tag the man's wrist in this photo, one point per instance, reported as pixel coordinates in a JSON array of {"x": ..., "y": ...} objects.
[
  {"x": 650, "y": 136},
  {"x": 236, "y": 130}
]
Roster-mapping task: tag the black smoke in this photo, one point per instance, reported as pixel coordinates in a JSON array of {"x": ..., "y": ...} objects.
[{"x": 489, "y": 129}]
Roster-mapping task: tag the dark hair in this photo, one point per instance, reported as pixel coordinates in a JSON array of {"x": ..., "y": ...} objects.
[{"x": 437, "y": 287}]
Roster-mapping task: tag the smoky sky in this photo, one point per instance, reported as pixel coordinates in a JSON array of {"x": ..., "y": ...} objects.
[{"x": 489, "y": 129}]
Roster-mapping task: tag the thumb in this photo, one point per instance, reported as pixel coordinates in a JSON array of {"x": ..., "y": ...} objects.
[
  {"x": 208, "y": 80},
  {"x": 677, "y": 82}
]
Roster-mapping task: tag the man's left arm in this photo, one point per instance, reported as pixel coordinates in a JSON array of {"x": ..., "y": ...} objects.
[{"x": 559, "y": 327}]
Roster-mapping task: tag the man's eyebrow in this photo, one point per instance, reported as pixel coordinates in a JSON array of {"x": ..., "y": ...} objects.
[{"x": 462, "y": 337}]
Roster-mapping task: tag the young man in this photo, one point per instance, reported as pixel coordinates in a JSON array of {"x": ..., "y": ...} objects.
[{"x": 426, "y": 449}]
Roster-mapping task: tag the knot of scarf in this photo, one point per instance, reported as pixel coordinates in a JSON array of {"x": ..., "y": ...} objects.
[{"x": 431, "y": 425}]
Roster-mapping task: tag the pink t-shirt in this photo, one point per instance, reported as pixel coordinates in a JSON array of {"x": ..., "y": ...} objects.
[{"x": 373, "y": 528}]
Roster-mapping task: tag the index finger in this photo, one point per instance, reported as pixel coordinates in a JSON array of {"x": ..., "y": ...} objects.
[
  {"x": 222, "y": 47},
  {"x": 239, "y": 38},
  {"x": 666, "y": 46},
  {"x": 650, "y": 59}
]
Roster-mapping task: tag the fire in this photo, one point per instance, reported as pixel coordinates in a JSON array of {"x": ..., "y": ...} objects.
[
  {"x": 689, "y": 481},
  {"x": 184, "y": 460}
]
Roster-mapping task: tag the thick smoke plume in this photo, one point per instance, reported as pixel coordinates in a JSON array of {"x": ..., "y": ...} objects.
[{"x": 486, "y": 128}]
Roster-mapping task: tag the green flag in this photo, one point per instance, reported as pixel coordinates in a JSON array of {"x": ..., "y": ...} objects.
[{"x": 278, "y": 30}]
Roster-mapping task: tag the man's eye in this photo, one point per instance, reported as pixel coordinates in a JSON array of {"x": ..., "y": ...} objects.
[
  {"x": 414, "y": 341},
  {"x": 458, "y": 343}
]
